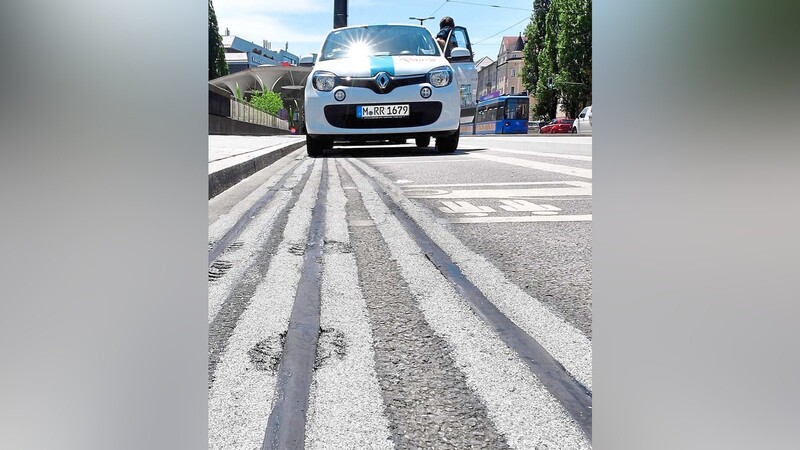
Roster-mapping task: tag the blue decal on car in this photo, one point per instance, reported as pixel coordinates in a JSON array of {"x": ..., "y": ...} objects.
[{"x": 379, "y": 64}]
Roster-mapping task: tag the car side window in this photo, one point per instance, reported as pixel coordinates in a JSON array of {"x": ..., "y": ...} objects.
[{"x": 461, "y": 38}]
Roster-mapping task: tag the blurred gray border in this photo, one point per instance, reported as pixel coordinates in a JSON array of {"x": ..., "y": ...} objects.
[{"x": 104, "y": 222}]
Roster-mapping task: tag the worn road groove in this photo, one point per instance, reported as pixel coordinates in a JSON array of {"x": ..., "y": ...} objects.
[
  {"x": 573, "y": 396},
  {"x": 229, "y": 237},
  {"x": 287, "y": 421},
  {"x": 224, "y": 321}
]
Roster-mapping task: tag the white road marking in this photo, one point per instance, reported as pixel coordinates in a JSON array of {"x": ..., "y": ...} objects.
[
  {"x": 463, "y": 207},
  {"x": 518, "y": 219},
  {"x": 498, "y": 193},
  {"x": 404, "y": 181},
  {"x": 544, "y": 154},
  {"x": 583, "y": 184},
  {"x": 425, "y": 161},
  {"x": 239, "y": 401},
  {"x": 569, "y": 140},
  {"x": 526, "y": 206},
  {"x": 519, "y": 405},
  {"x": 555, "y": 168},
  {"x": 568, "y": 345},
  {"x": 252, "y": 238},
  {"x": 345, "y": 406}
]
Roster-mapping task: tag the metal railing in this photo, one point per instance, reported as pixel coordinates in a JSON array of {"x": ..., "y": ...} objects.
[{"x": 244, "y": 112}]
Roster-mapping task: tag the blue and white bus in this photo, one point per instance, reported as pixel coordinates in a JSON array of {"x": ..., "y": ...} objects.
[{"x": 503, "y": 115}]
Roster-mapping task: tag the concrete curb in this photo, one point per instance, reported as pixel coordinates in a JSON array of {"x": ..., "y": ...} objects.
[{"x": 226, "y": 178}]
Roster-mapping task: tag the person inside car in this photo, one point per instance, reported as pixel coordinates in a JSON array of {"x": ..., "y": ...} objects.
[{"x": 446, "y": 26}]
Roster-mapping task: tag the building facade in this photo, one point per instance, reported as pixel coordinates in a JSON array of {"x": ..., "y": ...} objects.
[
  {"x": 509, "y": 66},
  {"x": 504, "y": 76},
  {"x": 241, "y": 54}
]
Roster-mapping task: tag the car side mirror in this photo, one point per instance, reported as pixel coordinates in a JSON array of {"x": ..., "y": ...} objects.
[
  {"x": 460, "y": 54},
  {"x": 307, "y": 60}
]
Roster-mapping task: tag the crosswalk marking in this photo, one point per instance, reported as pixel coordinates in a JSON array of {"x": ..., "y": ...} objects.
[
  {"x": 526, "y": 206},
  {"x": 463, "y": 208}
]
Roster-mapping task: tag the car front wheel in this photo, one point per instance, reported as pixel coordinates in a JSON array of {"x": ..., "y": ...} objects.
[
  {"x": 315, "y": 146},
  {"x": 447, "y": 144},
  {"x": 574, "y": 130},
  {"x": 423, "y": 142}
]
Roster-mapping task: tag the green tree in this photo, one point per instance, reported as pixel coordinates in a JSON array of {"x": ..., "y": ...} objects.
[
  {"x": 534, "y": 41},
  {"x": 547, "y": 60},
  {"x": 574, "y": 54},
  {"x": 217, "y": 66},
  {"x": 268, "y": 101}
]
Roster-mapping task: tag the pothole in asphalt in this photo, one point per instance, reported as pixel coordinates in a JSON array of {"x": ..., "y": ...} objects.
[
  {"x": 266, "y": 355},
  {"x": 338, "y": 247},
  {"x": 331, "y": 344}
]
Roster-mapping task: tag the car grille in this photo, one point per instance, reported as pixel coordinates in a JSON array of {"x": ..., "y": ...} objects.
[
  {"x": 420, "y": 114},
  {"x": 394, "y": 82}
]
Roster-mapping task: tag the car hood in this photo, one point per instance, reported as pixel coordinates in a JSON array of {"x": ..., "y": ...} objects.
[{"x": 369, "y": 66}]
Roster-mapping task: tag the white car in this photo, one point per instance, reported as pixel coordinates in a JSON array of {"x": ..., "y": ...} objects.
[
  {"x": 388, "y": 82},
  {"x": 583, "y": 123}
]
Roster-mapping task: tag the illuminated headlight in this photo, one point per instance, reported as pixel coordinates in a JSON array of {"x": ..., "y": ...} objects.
[
  {"x": 425, "y": 92},
  {"x": 339, "y": 95},
  {"x": 324, "y": 81},
  {"x": 440, "y": 76}
]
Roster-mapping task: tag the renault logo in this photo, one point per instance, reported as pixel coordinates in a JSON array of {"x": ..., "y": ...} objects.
[{"x": 383, "y": 80}]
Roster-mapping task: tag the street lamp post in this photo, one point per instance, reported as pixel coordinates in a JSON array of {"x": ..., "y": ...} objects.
[{"x": 421, "y": 20}]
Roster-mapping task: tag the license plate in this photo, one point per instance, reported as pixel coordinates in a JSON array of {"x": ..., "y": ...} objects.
[{"x": 381, "y": 111}]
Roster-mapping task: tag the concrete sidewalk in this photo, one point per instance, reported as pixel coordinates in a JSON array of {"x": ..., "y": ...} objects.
[{"x": 234, "y": 158}]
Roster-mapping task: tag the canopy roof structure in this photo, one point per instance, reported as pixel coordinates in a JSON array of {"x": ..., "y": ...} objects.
[{"x": 288, "y": 81}]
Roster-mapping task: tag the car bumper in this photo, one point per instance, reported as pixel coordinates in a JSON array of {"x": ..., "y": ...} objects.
[{"x": 437, "y": 115}]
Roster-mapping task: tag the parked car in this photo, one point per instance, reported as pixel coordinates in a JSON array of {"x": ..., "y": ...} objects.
[
  {"x": 388, "y": 82},
  {"x": 583, "y": 124},
  {"x": 536, "y": 124},
  {"x": 557, "y": 126}
]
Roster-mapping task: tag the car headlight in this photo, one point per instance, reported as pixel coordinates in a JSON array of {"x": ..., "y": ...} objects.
[
  {"x": 324, "y": 81},
  {"x": 440, "y": 76}
]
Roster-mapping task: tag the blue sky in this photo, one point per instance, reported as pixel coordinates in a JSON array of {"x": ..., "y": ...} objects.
[{"x": 304, "y": 23}]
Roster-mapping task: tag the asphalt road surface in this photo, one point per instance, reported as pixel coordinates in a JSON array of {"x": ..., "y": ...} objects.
[{"x": 395, "y": 297}]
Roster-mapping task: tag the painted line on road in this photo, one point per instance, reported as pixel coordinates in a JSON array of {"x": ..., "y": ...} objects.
[
  {"x": 574, "y": 397},
  {"x": 520, "y": 219},
  {"x": 426, "y": 161},
  {"x": 556, "y": 168},
  {"x": 497, "y": 193},
  {"x": 561, "y": 339},
  {"x": 286, "y": 427},
  {"x": 544, "y": 154},
  {"x": 583, "y": 184},
  {"x": 244, "y": 383},
  {"x": 345, "y": 408}
]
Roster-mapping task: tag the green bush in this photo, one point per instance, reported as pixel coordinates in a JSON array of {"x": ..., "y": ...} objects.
[{"x": 267, "y": 101}]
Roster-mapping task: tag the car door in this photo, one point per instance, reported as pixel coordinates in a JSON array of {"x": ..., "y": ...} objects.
[
  {"x": 581, "y": 121},
  {"x": 466, "y": 75}
]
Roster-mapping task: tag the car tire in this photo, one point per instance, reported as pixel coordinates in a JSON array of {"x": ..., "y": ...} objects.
[
  {"x": 574, "y": 130},
  {"x": 315, "y": 146},
  {"x": 447, "y": 144},
  {"x": 423, "y": 142}
]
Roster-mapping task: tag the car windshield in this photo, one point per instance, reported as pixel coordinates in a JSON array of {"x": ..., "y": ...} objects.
[{"x": 378, "y": 40}]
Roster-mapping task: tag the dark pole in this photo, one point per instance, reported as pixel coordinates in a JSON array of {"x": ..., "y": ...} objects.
[{"x": 339, "y": 13}]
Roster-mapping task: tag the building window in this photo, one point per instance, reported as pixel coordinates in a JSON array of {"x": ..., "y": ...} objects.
[
  {"x": 512, "y": 90},
  {"x": 513, "y": 72}
]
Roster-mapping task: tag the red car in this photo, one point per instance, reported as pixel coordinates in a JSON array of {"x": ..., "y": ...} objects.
[{"x": 557, "y": 126}]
